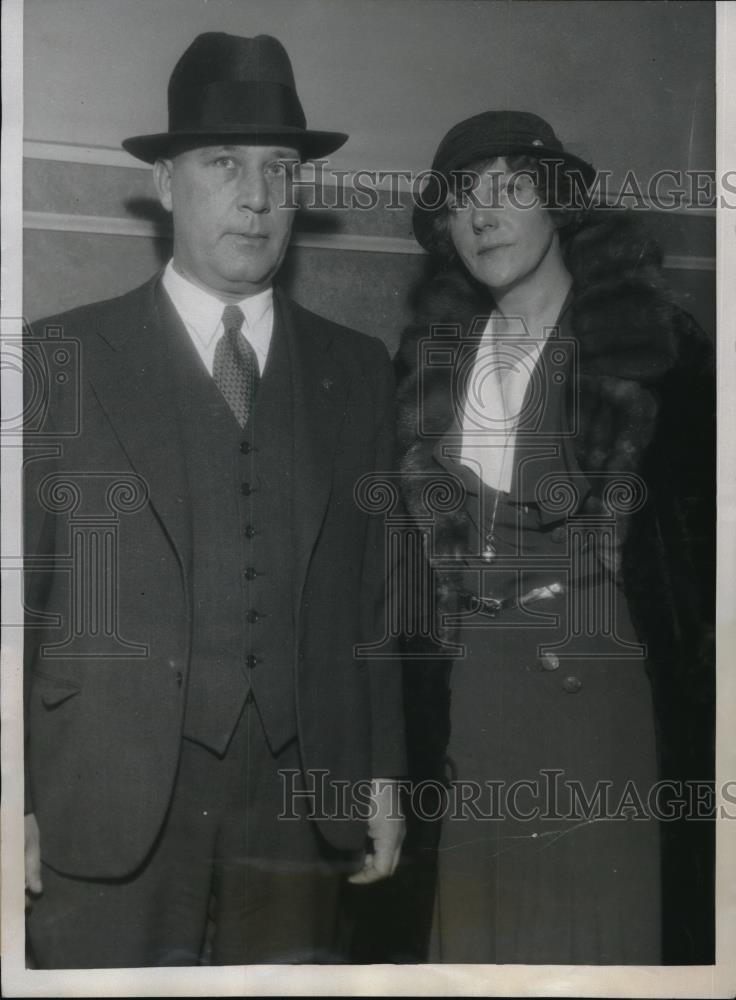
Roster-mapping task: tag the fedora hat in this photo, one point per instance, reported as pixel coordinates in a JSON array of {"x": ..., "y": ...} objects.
[
  {"x": 225, "y": 87},
  {"x": 484, "y": 137}
]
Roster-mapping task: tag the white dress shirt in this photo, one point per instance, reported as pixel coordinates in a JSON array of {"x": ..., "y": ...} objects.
[{"x": 201, "y": 313}]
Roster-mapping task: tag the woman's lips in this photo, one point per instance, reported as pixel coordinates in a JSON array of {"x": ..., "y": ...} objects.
[{"x": 487, "y": 250}]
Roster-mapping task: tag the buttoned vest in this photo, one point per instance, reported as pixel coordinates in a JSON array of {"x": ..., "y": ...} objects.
[{"x": 240, "y": 490}]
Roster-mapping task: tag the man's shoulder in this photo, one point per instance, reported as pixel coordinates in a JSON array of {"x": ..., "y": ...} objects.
[
  {"x": 356, "y": 347},
  {"x": 94, "y": 314}
]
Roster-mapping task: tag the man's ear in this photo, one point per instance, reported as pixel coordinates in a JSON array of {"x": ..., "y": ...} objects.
[{"x": 162, "y": 174}]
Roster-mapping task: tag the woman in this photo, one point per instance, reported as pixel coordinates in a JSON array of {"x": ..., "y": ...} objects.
[{"x": 555, "y": 418}]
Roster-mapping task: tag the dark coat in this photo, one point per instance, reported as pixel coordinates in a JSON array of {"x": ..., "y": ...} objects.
[
  {"x": 646, "y": 402},
  {"x": 103, "y": 735}
]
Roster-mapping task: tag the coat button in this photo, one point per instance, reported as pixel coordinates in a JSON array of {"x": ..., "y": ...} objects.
[
  {"x": 550, "y": 661},
  {"x": 251, "y": 661},
  {"x": 245, "y": 447},
  {"x": 246, "y": 489},
  {"x": 253, "y": 616},
  {"x": 179, "y": 678},
  {"x": 559, "y": 534},
  {"x": 249, "y": 531},
  {"x": 250, "y": 573},
  {"x": 572, "y": 684}
]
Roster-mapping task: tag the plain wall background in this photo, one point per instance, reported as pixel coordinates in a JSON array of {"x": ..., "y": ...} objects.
[{"x": 628, "y": 85}]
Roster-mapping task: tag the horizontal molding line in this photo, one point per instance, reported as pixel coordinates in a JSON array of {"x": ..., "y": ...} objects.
[
  {"x": 109, "y": 156},
  {"x": 100, "y": 225},
  {"x": 65, "y": 152},
  {"x": 108, "y": 226}
]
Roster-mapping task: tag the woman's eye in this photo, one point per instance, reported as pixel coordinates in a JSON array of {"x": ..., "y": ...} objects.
[{"x": 457, "y": 202}]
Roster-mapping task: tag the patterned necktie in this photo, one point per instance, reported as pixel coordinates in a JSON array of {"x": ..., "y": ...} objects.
[{"x": 235, "y": 368}]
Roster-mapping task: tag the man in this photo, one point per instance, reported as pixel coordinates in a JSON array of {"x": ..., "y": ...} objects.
[{"x": 194, "y": 671}]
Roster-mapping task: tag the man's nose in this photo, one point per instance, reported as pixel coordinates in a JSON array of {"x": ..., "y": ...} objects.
[{"x": 253, "y": 193}]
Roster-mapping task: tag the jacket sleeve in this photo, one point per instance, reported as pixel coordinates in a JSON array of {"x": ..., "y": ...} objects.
[
  {"x": 39, "y": 546},
  {"x": 388, "y": 751}
]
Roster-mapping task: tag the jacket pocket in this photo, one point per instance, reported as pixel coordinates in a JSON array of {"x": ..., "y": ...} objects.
[{"x": 53, "y": 688}]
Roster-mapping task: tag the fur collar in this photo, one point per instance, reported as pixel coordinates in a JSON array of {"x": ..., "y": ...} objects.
[{"x": 625, "y": 329}]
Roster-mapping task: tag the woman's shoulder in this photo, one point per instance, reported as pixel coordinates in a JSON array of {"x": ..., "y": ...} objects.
[
  {"x": 624, "y": 314},
  {"x": 613, "y": 246}
]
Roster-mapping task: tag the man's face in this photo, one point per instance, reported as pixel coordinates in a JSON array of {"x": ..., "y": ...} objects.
[{"x": 231, "y": 220}]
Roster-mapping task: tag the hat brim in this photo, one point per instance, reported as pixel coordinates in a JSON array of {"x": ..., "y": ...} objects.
[
  {"x": 311, "y": 144},
  {"x": 430, "y": 201}
]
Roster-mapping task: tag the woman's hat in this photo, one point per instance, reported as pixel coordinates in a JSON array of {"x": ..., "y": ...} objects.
[
  {"x": 483, "y": 137},
  {"x": 226, "y": 88}
]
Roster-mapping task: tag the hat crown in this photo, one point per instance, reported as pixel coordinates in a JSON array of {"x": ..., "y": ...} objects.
[
  {"x": 215, "y": 56},
  {"x": 223, "y": 80},
  {"x": 494, "y": 133}
]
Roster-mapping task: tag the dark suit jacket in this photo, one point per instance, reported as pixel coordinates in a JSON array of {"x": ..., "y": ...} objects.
[{"x": 103, "y": 732}]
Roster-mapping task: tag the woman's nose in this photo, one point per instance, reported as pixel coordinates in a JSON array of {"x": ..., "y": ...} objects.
[{"x": 484, "y": 218}]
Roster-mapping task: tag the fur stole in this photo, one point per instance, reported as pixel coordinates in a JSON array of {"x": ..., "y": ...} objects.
[
  {"x": 628, "y": 340},
  {"x": 625, "y": 331}
]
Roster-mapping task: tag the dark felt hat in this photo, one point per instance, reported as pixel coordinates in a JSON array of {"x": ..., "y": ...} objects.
[
  {"x": 483, "y": 137},
  {"x": 225, "y": 87}
]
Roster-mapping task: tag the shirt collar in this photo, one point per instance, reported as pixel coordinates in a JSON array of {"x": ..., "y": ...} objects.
[{"x": 202, "y": 311}]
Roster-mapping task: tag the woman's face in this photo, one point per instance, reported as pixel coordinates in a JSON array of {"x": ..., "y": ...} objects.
[{"x": 501, "y": 231}]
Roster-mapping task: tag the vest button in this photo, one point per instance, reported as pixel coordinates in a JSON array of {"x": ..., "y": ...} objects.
[
  {"x": 572, "y": 684},
  {"x": 251, "y": 661},
  {"x": 250, "y": 573},
  {"x": 249, "y": 531},
  {"x": 245, "y": 447},
  {"x": 179, "y": 678},
  {"x": 550, "y": 662},
  {"x": 253, "y": 616},
  {"x": 246, "y": 489}
]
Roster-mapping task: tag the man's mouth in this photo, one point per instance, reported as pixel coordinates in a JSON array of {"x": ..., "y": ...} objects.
[{"x": 248, "y": 237}]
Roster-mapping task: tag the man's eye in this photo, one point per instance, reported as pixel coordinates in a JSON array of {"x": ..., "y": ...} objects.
[
  {"x": 226, "y": 162},
  {"x": 280, "y": 168}
]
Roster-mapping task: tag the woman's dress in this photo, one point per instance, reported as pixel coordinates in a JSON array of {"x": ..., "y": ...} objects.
[{"x": 549, "y": 853}]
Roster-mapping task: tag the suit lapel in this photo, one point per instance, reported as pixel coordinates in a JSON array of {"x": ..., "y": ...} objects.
[
  {"x": 320, "y": 391},
  {"x": 135, "y": 390}
]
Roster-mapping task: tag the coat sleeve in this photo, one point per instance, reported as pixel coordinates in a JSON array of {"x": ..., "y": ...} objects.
[
  {"x": 388, "y": 751},
  {"x": 685, "y": 491},
  {"x": 39, "y": 547}
]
